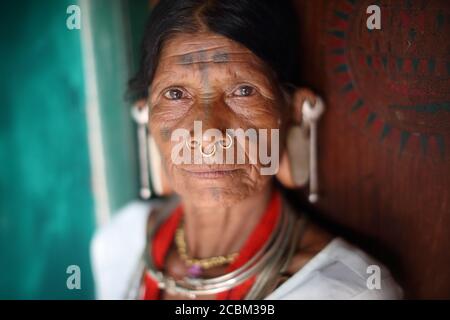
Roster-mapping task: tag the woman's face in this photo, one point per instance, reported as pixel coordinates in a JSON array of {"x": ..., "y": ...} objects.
[{"x": 208, "y": 78}]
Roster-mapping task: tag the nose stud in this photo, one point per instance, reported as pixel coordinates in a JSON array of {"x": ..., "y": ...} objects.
[{"x": 191, "y": 143}]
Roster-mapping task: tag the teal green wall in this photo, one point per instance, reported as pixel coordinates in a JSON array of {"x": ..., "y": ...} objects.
[
  {"x": 46, "y": 204},
  {"x": 47, "y": 213},
  {"x": 113, "y": 44}
]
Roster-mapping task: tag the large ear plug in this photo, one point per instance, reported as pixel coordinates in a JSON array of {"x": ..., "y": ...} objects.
[
  {"x": 160, "y": 182},
  {"x": 150, "y": 165},
  {"x": 294, "y": 164}
]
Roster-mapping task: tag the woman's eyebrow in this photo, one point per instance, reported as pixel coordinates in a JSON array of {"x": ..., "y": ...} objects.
[{"x": 166, "y": 80}]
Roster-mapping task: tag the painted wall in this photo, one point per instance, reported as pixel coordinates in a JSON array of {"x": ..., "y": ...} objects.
[{"x": 384, "y": 140}]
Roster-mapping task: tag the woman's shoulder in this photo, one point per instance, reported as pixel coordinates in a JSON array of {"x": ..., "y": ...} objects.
[
  {"x": 328, "y": 267},
  {"x": 116, "y": 248}
]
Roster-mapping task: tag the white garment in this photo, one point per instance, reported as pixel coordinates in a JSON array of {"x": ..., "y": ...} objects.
[{"x": 339, "y": 271}]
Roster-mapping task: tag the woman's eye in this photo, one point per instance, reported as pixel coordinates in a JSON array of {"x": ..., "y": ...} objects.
[
  {"x": 244, "y": 91},
  {"x": 173, "y": 94}
]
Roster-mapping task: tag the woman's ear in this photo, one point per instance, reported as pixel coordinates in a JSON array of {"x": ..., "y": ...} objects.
[
  {"x": 153, "y": 179},
  {"x": 299, "y": 96},
  {"x": 294, "y": 162},
  {"x": 284, "y": 172}
]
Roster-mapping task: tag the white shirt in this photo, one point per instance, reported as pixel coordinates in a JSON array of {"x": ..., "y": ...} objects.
[{"x": 338, "y": 271}]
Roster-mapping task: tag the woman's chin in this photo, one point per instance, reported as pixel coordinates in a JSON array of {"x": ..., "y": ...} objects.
[
  {"x": 213, "y": 196},
  {"x": 210, "y": 188}
]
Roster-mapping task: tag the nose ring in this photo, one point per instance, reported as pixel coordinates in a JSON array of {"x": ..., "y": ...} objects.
[
  {"x": 227, "y": 145},
  {"x": 208, "y": 154},
  {"x": 211, "y": 149},
  {"x": 193, "y": 144}
]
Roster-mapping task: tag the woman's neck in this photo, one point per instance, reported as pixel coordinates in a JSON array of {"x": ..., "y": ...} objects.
[{"x": 215, "y": 231}]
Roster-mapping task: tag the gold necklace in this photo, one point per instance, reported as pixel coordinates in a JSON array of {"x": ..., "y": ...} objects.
[{"x": 204, "y": 263}]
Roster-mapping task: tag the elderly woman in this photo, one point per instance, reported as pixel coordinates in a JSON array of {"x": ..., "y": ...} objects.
[{"x": 229, "y": 233}]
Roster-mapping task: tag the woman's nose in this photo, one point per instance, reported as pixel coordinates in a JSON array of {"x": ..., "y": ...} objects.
[
  {"x": 208, "y": 137},
  {"x": 209, "y": 131},
  {"x": 213, "y": 112}
]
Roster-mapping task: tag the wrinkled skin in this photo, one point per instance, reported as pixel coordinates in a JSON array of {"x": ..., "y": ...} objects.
[
  {"x": 209, "y": 78},
  {"x": 212, "y": 79}
]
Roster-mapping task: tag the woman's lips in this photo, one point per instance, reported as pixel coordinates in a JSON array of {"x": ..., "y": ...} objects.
[{"x": 212, "y": 172}]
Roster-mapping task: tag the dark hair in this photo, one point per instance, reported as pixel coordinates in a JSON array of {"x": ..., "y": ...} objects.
[{"x": 266, "y": 27}]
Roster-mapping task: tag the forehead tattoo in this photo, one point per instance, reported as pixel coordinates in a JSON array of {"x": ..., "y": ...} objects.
[
  {"x": 187, "y": 58},
  {"x": 202, "y": 59},
  {"x": 220, "y": 57}
]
